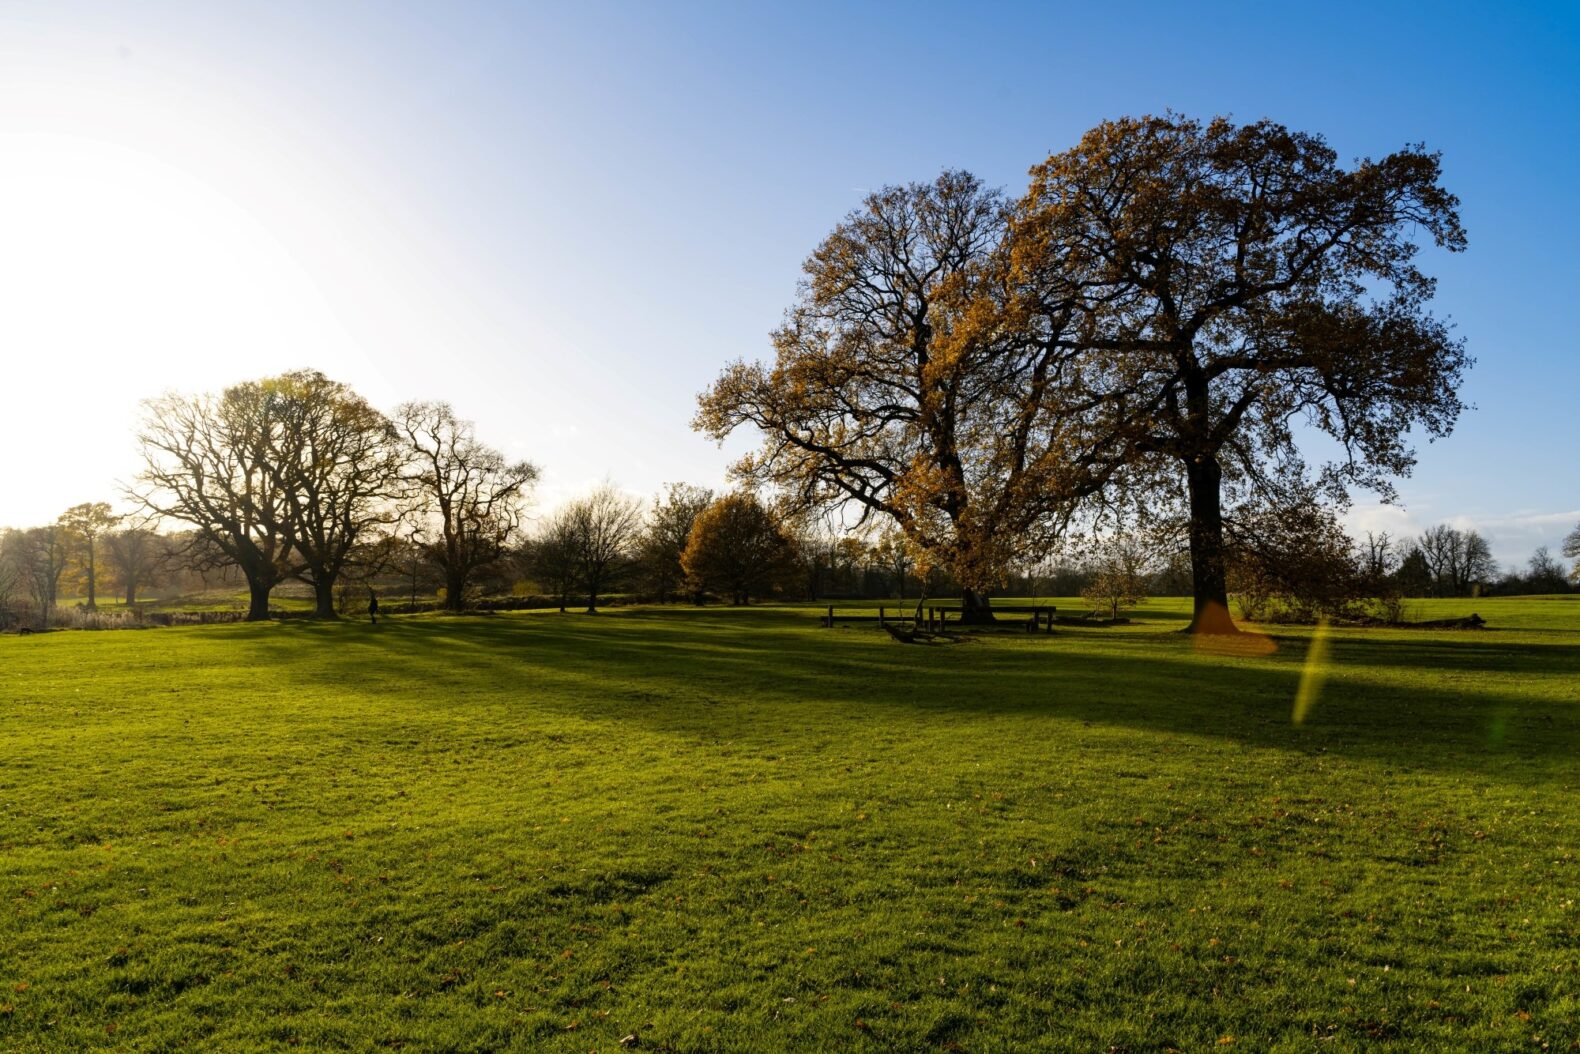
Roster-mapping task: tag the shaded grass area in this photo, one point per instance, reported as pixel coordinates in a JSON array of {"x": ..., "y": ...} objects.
[
  {"x": 733, "y": 830},
  {"x": 291, "y": 597}
]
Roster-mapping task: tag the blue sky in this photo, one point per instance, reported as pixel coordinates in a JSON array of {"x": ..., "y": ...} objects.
[{"x": 565, "y": 219}]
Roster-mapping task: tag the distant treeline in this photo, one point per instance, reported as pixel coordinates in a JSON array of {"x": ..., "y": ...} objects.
[{"x": 296, "y": 483}]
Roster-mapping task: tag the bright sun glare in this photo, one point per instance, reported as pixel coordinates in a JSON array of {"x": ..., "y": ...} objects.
[{"x": 124, "y": 275}]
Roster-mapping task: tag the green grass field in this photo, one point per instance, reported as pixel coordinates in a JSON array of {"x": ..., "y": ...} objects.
[{"x": 733, "y": 830}]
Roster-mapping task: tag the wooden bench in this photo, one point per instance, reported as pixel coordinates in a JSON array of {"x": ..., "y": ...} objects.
[
  {"x": 881, "y": 618},
  {"x": 1042, "y": 616}
]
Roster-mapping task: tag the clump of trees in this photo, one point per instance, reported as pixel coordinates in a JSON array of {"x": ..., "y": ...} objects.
[
  {"x": 1543, "y": 574},
  {"x": 1144, "y": 326},
  {"x": 666, "y": 534},
  {"x": 733, "y": 547},
  {"x": 34, "y": 561},
  {"x": 971, "y": 378},
  {"x": 738, "y": 548},
  {"x": 298, "y": 477},
  {"x": 1456, "y": 562},
  {"x": 86, "y": 548}
]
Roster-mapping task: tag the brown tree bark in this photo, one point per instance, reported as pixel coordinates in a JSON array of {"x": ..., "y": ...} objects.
[
  {"x": 324, "y": 600},
  {"x": 454, "y": 589},
  {"x": 258, "y": 606},
  {"x": 1210, "y": 590},
  {"x": 975, "y": 607}
]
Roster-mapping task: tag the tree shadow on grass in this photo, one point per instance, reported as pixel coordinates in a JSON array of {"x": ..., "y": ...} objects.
[
  {"x": 742, "y": 675},
  {"x": 1479, "y": 651}
]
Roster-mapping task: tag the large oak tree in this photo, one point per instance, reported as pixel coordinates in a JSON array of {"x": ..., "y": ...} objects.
[
  {"x": 914, "y": 381},
  {"x": 207, "y": 462},
  {"x": 471, "y": 496},
  {"x": 1239, "y": 281},
  {"x": 336, "y": 464}
]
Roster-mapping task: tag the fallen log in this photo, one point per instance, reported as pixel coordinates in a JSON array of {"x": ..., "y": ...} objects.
[{"x": 1475, "y": 621}]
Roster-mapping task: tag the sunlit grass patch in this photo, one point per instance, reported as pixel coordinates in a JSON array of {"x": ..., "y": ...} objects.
[{"x": 734, "y": 830}]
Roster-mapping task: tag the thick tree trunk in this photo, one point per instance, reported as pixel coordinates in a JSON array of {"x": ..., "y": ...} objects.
[
  {"x": 258, "y": 604},
  {"x": 1209, "y": 577},
  {"x": 93, "y": 597},
  {"x": 454, "y": 591},
  {"x": 324, "y": 600},
  {"x": 975, "y": 608},
  {"x": 131, "y": 592}
]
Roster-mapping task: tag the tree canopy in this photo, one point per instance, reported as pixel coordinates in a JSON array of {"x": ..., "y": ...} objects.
[
  {"x": 336, "y": 464},
  {"x": 207, "y": 463},
  {"x": 902, "y": 385},
  {"x": 1156, "y": 319},
  {"x": 738, "y": 547},
  {"x": 469, "y": 498}
]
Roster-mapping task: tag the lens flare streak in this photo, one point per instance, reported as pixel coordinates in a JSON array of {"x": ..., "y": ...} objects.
[{"x": 1314, "y": 673}]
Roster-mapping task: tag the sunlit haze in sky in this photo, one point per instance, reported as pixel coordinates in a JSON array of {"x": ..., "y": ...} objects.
[{"x": 565, "y": 221}]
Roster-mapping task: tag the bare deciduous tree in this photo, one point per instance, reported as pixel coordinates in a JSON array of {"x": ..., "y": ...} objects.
[
  {"x": 136, "y": 555},
  {"x": 472, "y": 495},
  {"x": 42, "y": 554},
  {"x": 12, "y": 575},
  {"x": 337, "y": 465},
  {"x": 893, "y": 555},
  {"x": 1544, "y": 574},
  {"x": 1379, "y": 554},
  {"x": 1120, "y": 570},
  {"x": 206, "y": 463},
  {"x": 604, "y": 527},
  {"x": 553, "y": 557}
]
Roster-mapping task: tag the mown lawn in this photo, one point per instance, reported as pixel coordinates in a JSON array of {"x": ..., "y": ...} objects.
[{"x": 732, "y": 830}]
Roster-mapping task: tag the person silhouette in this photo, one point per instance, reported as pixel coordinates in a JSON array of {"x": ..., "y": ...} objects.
[{"x": 373, "y": 606}]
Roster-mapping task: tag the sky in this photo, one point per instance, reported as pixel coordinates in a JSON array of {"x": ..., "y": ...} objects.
[{"x": 565, "y": 219}]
